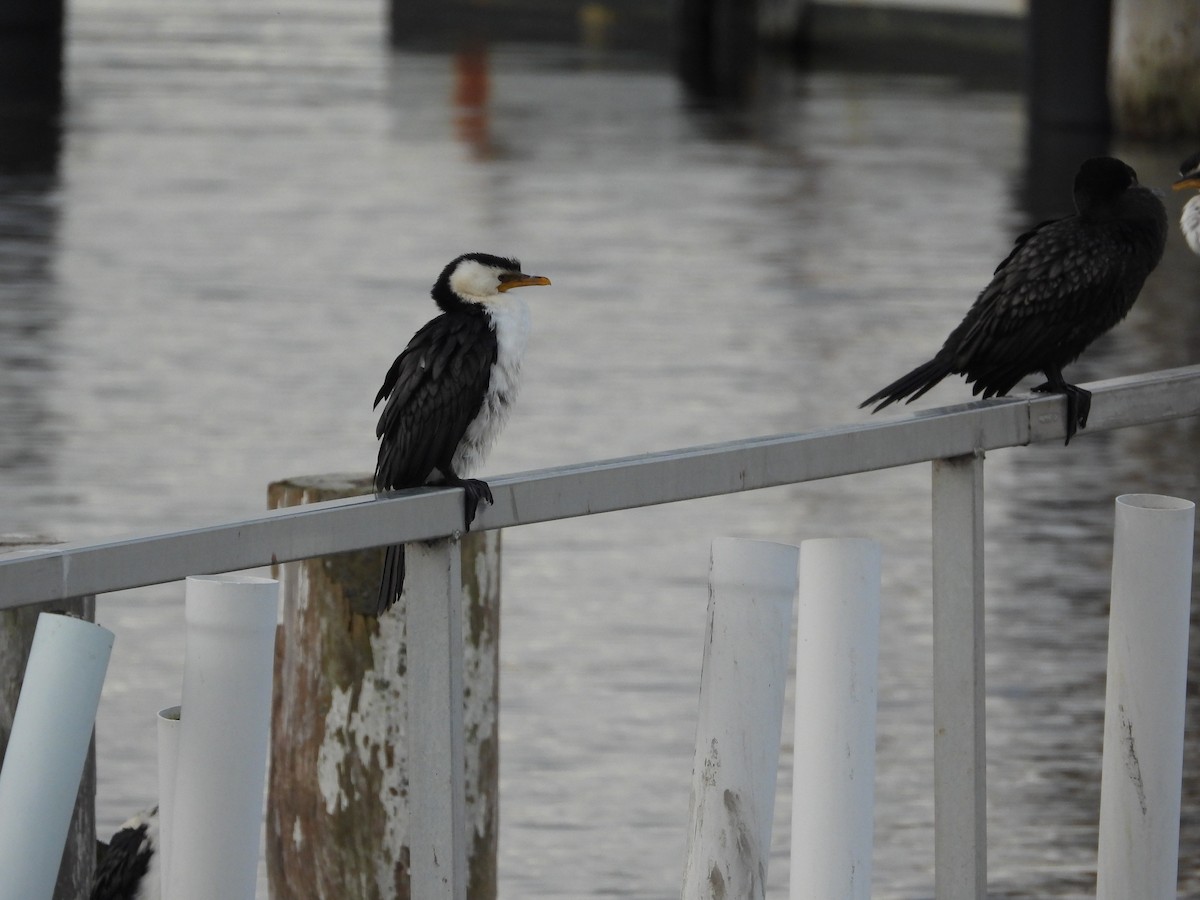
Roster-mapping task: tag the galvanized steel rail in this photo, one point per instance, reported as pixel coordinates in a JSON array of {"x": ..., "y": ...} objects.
[
  {"x": 954, "y": 439},
  {"x": 67, "y": 570}
]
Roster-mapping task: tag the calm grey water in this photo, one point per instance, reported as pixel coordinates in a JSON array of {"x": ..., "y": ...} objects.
[{"x": 239, "y": 233}]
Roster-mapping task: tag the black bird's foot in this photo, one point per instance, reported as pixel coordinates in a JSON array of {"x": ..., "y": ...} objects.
[
  {"x": 1079, "y": 404},
  {"x": 475, "y": 491}
]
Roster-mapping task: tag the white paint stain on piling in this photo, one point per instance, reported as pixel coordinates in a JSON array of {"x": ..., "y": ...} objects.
[
  {"x": 364, "y": 725},
  {"x": 364, "y": 728}
]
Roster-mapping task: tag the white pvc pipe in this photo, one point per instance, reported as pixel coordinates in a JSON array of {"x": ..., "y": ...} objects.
[
  {"x": 47, "y": 748},
  {"x": 837, "y": 663},
  {"x": 169, "y": 726},
  {"x": 216, "y": 824},
  {"x": 1144, "y": 702},
  {"x": 752, "y": 591}
]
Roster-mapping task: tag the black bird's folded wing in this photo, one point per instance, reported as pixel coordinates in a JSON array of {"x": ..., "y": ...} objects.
[
  {"x": 432, "y": 392},
  {"x": 1060, "y": 289}
]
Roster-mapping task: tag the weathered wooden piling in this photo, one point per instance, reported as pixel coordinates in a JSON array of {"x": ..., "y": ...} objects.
[
  {"x": 1155, "y": 69},
  {"x": 16, "y": 637},
  {"x": 337, "y": 814}
]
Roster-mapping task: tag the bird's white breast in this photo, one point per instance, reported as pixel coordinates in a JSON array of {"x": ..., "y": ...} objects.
[
  {"x": 511, "y": 319},
  {"x": 1189, "y": 223}
]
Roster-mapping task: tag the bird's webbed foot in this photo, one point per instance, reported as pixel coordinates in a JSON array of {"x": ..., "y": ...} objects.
[
  {"x": 475, "y": 491},
  {"x": 1079, "y": 404}
]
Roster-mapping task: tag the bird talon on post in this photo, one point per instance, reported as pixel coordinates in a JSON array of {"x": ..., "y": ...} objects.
[
  {"x": 474, "y": 493},
  {"x": 1065, "y": 283},
  {"x": 1072, "y": 418},
  {"x": 448, "y": 395},
  {"x": 1085, "y": 406}
]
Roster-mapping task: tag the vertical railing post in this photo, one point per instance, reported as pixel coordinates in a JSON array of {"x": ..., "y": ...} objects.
[
  {"x": 435, "y": 720},
  {"x": 959, "y": 753}
]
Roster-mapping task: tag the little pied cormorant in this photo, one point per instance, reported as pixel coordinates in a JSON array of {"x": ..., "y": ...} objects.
[
  {"x": 1065, "y": 283},
  {"x": 1189, "y": 221},
  {"x": 128, "y": 870},
  {"x": 450, "y": 392}
]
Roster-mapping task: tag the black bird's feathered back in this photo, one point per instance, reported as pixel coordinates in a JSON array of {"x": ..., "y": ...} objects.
[
  {"x": 433, "y": 390},
  {"x": 1065, "y": 283}
]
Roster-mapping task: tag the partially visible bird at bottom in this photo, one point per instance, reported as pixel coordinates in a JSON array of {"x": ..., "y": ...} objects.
[
  {"x": 1189, "y": 220},
  {"x": 128, "y": 870},
  {"x": 1065, "y": 282},
  {"x": 448, "y": 395}
]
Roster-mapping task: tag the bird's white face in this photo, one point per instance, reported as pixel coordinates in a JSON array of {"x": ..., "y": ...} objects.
[{"x": 473, "y": 280}]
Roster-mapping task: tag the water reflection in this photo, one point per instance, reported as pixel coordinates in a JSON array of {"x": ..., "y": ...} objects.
[
  {"x": 471, "y": 90},
  {"x": 30, "y": 311}
]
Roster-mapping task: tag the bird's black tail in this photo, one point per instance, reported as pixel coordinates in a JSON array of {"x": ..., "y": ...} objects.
[
  {"x": 391, "y": 581},
  {"x": 911, "y": 386}
]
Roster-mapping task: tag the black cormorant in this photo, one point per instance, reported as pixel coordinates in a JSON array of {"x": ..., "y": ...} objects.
[
  {"x": 1065, "y": 283},
  {"x": 450, "y": 392},
  {"x": 128, "y": 870},
  {"x": 1189, "y": 220}
]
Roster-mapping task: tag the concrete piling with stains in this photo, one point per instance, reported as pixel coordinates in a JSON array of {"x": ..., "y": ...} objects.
[
  {"x": 1155, "y": 68},
  {"x": 337, "y": 807}
]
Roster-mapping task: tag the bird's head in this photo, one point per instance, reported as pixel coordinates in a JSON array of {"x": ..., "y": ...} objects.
[
  {"x": 480, "y": 278},
  {"x": 1189, "y": 173},
  {"x": 1100, "y": 181}
]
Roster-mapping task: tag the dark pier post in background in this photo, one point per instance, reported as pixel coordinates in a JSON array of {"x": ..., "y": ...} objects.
[
  {"x": 714, "y": 44},
  {"x": 16, "y": 639},
  {"x": 1068, "y": 63},
  {"x": 1067, "y": 52},
  {"x": 1132, "y": 65},
  {"x": 31, "y": 51},
  {"x": 338, "y": 797},
  {"x": 628, "y": 24},
  {"x": 31, "y": 84}
]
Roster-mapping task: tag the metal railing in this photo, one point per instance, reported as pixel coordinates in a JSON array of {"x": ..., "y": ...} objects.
[{"x": 954, "y": 439}]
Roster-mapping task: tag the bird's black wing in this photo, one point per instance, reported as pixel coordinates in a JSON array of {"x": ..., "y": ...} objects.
[
  {"x": 125, "y": 863},
  {"x": 1063, "y": 285},
  {"x": 433, "y": 391},
  {"x": 1020, "y": 242},
  {"x": 979, "y": 323}
]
